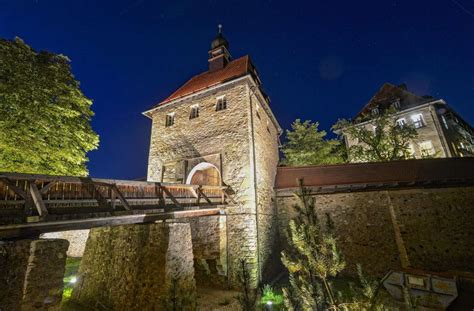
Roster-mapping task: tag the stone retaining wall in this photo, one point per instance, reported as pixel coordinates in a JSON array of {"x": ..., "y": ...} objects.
[
  {"x": 31, "y": 274},
  {"x": 435, "y": 227},
  {"x": 135, "y": 267}
]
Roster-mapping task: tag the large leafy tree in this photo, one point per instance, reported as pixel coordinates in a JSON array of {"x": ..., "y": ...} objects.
[
  {"x": 381, "y": 139},
  {"x": 44, "y": 116},
  {"x": 307, "y": 145}
]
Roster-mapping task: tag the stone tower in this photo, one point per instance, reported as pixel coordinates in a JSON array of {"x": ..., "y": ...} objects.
[{"x": 218, "y": 129}]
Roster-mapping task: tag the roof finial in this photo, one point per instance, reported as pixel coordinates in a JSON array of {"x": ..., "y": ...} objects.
[{"x": 220, "y": 28}]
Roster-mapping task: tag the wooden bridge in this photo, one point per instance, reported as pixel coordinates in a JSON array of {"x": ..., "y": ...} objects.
[{"x": 35, "y": 204}]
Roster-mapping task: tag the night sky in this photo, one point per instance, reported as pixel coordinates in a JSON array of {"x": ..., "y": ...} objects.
[{"x": 318, "y": 60}]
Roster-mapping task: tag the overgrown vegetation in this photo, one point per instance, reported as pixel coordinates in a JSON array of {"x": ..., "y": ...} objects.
[
  {"x": 313, "y": 261},
  {"x": 70, "y": 276},
  {"x": 307, "y": 145},
  {"x": 381, "y": 139},
  {"x": 270, "y": 297},
  {"x": 178, "y": 298},
  {"x": 248, "y": 294},
  {"x": 45, "y": 124}
]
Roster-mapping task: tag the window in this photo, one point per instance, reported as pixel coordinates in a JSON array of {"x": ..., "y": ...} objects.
[
  {"x": 426, "y": 148},
  {"x": 194, "y": 112},
  {"x": 418, "y": 120},
  {"x": 169, "y": 119},
  {"x": 401, "y": 122},
  {"x": 268, "y": 127},
  {"x": 396, "y": 103},
  {"x": 374, "y": 129},
  {"x": 221, "y": 103},
  {"x": 256, "y": 112},
  {"x": 375, "y": 111},
  {"x": 445, "y": 123}
]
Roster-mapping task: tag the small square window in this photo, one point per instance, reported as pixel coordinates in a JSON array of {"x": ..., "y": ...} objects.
[
  {"x": 194, "y": 112},
  {"x": 221, "y": 104},
  {"x": 418, "y": 120},
  {"x": 169, "y": 119},
  {"x": 401, "y": 122}
]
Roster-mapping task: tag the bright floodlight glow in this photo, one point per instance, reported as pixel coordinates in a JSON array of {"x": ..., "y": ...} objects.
[
  {"x": 269, "y": 302},
  {"x": 73, "y": 280}
]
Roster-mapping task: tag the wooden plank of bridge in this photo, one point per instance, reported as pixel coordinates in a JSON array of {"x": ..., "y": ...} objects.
[
  {"x": 47, "y": 187},
  {"x": 168, "y": 194},
  {"x": 201, "y": 193},
  {"x": 119, "y": 194},
  {"x": 37, "y": 199},
  {"x": 31, "y": 229},
  {"x": 14, "y": 188}
]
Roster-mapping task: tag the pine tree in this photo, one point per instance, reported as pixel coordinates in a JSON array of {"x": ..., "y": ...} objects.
[
  {"x": 45, "y": 118},
  {"x": 312, "y": 259},
  {"x": 307, "y": 145}
]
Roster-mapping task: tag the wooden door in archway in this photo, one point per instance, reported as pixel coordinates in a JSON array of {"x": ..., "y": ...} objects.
[{"x": 209, "y": 176}]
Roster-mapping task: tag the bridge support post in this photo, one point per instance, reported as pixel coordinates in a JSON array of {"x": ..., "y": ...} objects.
[
  {"x": 31, "y": 274},
  {"x": 137, "y": 267}
]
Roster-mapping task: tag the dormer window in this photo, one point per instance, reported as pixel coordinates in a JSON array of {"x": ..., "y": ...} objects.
[
  {"x": 417, "y": 120},
  {"x": 169, "y": 119},
  {"x": 194, "y": 112},
  {"x": 221, "y": 103},
  {"x": 375, "y": 111},
  {"x": 401, "y": 122}
]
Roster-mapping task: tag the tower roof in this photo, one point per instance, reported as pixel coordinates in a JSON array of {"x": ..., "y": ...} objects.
[{"x": 235, "y": 69}]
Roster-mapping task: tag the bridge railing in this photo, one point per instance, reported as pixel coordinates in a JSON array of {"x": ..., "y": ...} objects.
[{"x": 28, "y": 195}]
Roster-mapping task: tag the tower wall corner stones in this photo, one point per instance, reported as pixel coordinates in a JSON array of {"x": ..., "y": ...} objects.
[
  {"x": 151, "y": 263},
  {"x": 23, "y": 266}
]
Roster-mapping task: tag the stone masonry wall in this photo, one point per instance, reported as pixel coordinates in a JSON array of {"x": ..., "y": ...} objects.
[
  {"x": 435, "y": 227},
  {"x": 31, "y": 274},
  {"x": 133, "y": 267},
  {"x": 266, "y": 162},
  {"x": 226, "y": 132}
]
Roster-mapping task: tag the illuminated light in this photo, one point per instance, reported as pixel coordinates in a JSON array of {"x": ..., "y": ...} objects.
[
  {"x": 269, "y": 302},
  {"x": 73, "y": 280}
]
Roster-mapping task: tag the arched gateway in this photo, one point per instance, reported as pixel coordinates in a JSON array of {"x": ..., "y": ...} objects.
[{"x": 204, "y": 174}]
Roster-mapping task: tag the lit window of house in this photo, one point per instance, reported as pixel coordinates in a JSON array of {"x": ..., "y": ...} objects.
[
  {"x": 445, "y": 123},
  {"x": 401, "y": 122},
  {"x": 374, "y": 129},
  {"x": 194, "y": 112},
  {"x": 221, "y": 103},
  {"x": 417, "y": 120},
  {"x": 426, "y": 148},
  {"x": 169, "y": 119}
]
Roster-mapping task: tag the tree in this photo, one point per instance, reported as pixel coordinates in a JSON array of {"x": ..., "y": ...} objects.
[
  {"x": 312, "y": 259},
  {"x": 382, "y": 139},
  {"x": 248, "y": 296},
  {"x": 45, "y": 118},
  {"x": 306, "y": 145}
]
